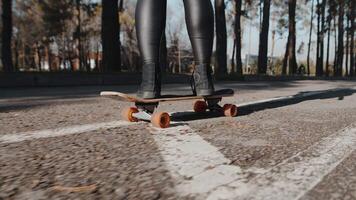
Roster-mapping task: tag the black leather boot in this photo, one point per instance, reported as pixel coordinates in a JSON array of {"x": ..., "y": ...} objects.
[
  {"x": 203, "y": 80},
  {"x": 151, "y": 82}
]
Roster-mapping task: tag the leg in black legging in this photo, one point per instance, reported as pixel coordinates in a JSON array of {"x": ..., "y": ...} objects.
[
  {"x": 199, "y": 16},
  {"x": 200, "y": 23},
  {"x": 150, "y": 24}
]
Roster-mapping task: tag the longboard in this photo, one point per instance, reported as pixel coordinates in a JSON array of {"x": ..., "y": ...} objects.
[{"x": 144, "y": 108}]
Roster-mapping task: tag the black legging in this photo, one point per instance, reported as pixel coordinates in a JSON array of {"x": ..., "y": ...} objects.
[{"x": 150, "y": 25}]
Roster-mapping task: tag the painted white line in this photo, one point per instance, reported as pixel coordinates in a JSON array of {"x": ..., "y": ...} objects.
[
  {"x": 19, "y": 137},
  {"x": 197, "y": 166},
  {"x": 297, "y": 175},
  {"x": 201, "y": 171}
]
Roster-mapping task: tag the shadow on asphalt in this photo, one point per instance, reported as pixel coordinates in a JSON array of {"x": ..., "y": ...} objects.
[
  {"x": 249, "y": 108},
  {"x": 25, "y": 98},
  {"x": 45, "y": 93}
]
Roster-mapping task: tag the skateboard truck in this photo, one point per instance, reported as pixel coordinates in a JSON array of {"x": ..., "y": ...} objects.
[{"x": 146, "y": 113}]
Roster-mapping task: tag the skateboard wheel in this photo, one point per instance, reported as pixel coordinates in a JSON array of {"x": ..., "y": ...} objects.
[
  {"x": 200, "y": 106},
  {"x": 230, "y": 110},
  {"x": 127, "y": 114},
  {"x": 161, "y": 120}
]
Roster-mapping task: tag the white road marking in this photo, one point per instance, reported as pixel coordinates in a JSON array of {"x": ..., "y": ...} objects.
[
  {"x": 294, "y": 177},
  {"x": 197, "y": 166},
  {"x": 19, "y": 137},
  {"x": 202, "y": 171}
]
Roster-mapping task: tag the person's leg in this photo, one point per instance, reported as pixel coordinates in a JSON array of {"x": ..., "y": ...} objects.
[
  {"x": 200, "y": 23},
  {"x": 150, "y": 24}
]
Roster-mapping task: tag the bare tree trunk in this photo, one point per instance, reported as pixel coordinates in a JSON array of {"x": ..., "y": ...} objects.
[
  {"x": 238, "y": 10},
  {"x": 310, "y": 37},
  {"x": 322, "y": 37},
  {"x": 233, "y": 67},
  {"x": 327, "y": 72},
  {"x": 273, "y": 43},
  {"x": 6, "y": 56},
  {"x": 79, "y": 37},
  {"x": 263, "y": 46},
  {"x": 285, "y": 59},
  {"x": 347, "y": 48},
  {"x": 317, "y": 63},
  {"x": 291, "y": 44},
  {"x": 221, "y": 37},
  {"x": 340, "y": 49},
  {"x": 335, "y": 53},
  {"x": 110, "y": 33},
  {"x": 320, "y": 46},
  {"x": 352, "y": 38}
]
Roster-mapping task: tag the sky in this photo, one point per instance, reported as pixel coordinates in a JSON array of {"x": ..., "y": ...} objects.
[{"x": 250, "y": 36}]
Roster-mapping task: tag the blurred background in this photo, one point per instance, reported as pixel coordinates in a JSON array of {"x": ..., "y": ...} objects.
[{"x": 268, "y": 37}]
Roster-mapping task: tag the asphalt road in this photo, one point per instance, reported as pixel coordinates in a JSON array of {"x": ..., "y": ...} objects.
[{"x": 69, "y": 143}]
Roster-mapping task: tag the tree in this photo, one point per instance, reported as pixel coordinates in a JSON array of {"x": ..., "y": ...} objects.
[
  {"x": 290, "y": 54},
  {"x": 340, "y": 49},
  {"x": 329, "y": 18},
  {"x": 110, "y": 35},
  {"x": 78, "y": 36},
  {"x": 28, "y": 23},
  {"x": 237, "y": 31},
  {"x": 7, "y": 36},
  {"x": 263, "y": 45},
  {"x": 310, "y": 36},
  {"x": 58, "y": 30},
  {"x": 352, "y": 38},
  {"x": 346, "y": 50},
  {"x": 335, "y": 43},
  {"x": 130, "y": 51},
  {"x": 221, "y": 37},
  {"x": 163, "y": 52},
  {"x": 320, "y": 40},
  {"x": 350, "y": 42}
]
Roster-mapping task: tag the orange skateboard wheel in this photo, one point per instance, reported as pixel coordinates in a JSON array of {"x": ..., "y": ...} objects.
[
  {"x": 200, "y": 106},
  {"x": 127, "y": 114},
  {"x": 161, "y": 120},
  {"x": 230, "y": 110}
]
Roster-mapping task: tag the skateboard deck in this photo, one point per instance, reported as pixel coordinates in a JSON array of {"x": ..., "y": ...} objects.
[
  {"x": 129, "y": 98},
  {"x": 144, "y": 109}
]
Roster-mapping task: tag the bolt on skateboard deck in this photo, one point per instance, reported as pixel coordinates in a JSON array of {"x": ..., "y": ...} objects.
[{"x": 144, "y": 108}]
